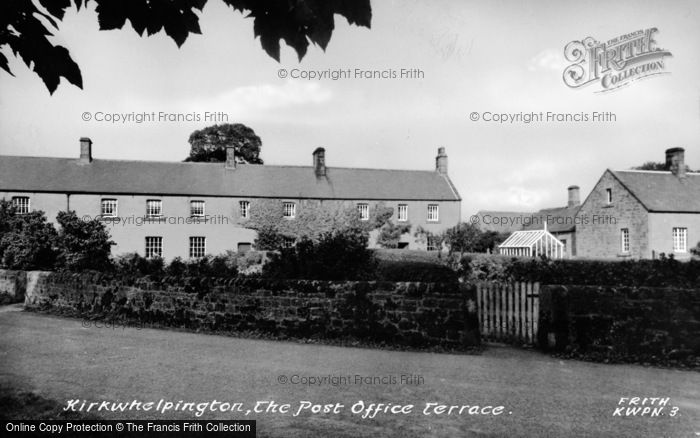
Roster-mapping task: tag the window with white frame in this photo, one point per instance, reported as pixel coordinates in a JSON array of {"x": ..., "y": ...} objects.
[
  {"x": 363, "y": 209},
  {"x": 625, "y": 240},
  {"x": 108, "y": 208},
  {"x": 433, "y": 213},
  {"x": 21, "y": 204},
  {"x": 403, "y": 212},
  {"x": 154, "y": 247},
  {"x": 154, "y": 208},
  {"x": 290, "y": 210},
  {"x": 288, "y": 242},
  {"x": 680, "y": 239},
  {"x": 197, "y": 208},
  {"x": 244, "y": 207},
  {"x": 608, "y": 196},
  {"x": 198, "y": 246}
]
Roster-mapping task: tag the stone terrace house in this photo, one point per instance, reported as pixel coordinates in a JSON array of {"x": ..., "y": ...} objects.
[
  {"x": 172, "y": 209},
  {"x": 641, "y": 214}
]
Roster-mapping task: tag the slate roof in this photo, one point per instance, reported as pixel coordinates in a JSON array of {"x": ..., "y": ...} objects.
[
  {"x": 43, "y": 174},
  {"x": 661, "y": 191},
  {"x": 559, "y": 220}
]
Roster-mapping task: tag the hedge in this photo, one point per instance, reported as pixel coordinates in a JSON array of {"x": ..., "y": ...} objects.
[{"x": 666, "y": 272}]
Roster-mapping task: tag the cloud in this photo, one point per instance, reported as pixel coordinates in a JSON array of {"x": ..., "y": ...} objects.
[
  {"x": 512, "y": 198},
  {"x": 249, "y": 102},
  {"x": 263, "y": 97},
  {"x": 548, "y": 59}
]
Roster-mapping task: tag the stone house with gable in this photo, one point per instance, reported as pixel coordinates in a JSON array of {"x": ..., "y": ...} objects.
[{"x": 642, "y": 214}]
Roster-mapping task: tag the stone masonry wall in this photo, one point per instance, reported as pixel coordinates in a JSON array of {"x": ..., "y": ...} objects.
[
  {"x": 410, "y": 314},
  {"x": 12, "y": 286},
  {"x": 599, "y": 223},
  {"x": 630, "y": 324}
]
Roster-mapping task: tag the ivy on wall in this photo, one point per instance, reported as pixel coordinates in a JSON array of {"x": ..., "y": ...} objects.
[{"x": 313, "y": 218}]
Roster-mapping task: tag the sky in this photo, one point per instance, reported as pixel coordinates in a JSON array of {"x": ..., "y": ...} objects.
[{"x": 474, "y": 56}]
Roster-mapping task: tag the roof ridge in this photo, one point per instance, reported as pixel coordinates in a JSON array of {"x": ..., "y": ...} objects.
[
  {"x": 657, "y": 172},
  {"x": 219, "y": 163}
]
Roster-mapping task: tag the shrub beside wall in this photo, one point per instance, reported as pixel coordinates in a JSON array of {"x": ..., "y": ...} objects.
[
  {"x": 392, "y": 313},
  {"x": 665, "y": 272},
  {"x": 622, "y": 324}
]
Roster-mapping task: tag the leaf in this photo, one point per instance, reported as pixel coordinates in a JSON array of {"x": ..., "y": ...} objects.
[
  {"x": 297, "y": 22},
  {"x": 4, "y": 64},
  {"x": 56, "y": 8}
]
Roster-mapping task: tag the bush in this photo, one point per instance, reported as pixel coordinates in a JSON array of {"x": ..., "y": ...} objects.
[
  {"x": 337, "y": 255},
  {"x": 483, "y": 267},
  {"x": 390, "y": 234},
  {"x": 83, "y": 244},
  {"x": 664, "y": 272},
  {"x": 696, "y": 251},
  {"x": 135, "y": 265},
  {"x": 413, "y": 265},
  {"x": 27, "y": 241},
  {"x": 415, "y": 271}
]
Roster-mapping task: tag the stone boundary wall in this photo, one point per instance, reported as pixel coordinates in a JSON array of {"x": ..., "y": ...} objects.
[
  {"x": 622, "y": 324},
  {"x": 13, "y": 285},
  {"x": 392, "y": 313}
]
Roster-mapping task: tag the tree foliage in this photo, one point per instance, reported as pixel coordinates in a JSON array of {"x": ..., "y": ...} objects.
[
  {"x": 429, "y": 238},
  {"x": 696, "y": 251},
  {"x": 209, "y": 144},
  {"x": 337, "y": 255},
  {"x": 390, "y": 234},
  {"x": 83, "y": 244},
  {"x": 467, "y": 237},
  {"x": 27, "y": 241},
  {"x": 653, "y": 165},
  {"x": 26, "y": 26}
]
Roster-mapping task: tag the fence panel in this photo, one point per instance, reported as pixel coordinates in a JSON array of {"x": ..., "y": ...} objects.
[{"x": 508, "y": 312}]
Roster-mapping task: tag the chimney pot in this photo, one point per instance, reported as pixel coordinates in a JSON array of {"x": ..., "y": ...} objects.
[
  {"x": 85, "y": 150},
  {"x": 574, "y": 196},
  {"x": 319, "y": 162},
  {"x": 230, "y": 157},
  {"x": 441, "y": 161},
  {"x": 675, "y": 161}
]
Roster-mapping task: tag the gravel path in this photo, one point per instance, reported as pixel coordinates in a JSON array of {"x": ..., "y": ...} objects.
[{"x": 541, "y": 396}]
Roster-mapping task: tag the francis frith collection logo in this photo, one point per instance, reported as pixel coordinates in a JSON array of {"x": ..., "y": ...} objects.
[{"x": 615, "y": 63}]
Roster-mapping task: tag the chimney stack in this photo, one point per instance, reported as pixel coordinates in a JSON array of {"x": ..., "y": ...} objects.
[
  {"x": 441, "y": 161},
  {"x": 675, "y": 161},
  {"x": 85, "y": 150},
  {"x": 574, "y": 196},
  {"x": 320, "y": 162},
  {"x": 230, "y": 157}
]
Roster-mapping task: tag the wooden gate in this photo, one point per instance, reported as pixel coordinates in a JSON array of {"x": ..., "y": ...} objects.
[{"x": 508, "y": 312}]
